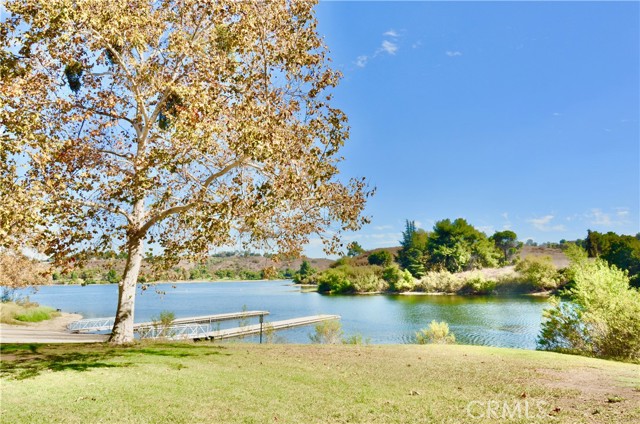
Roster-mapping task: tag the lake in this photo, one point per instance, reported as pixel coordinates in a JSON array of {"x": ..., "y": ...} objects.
[{"x": 482, "y": 320}]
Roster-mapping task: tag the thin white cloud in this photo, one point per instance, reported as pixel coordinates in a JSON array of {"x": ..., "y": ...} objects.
[
  {"x": 619, "y": 216},
  {"x": 416, "y": 44},
  {"x": 487, "y": 229},
  {"x": 507, "y": 222},
  {"x": 383, "y": 239},
  {"x": 597, "y": 217},
  {"x": 622, "y": 212},
  {"x": 454, "y": 53},
  {"x": 383, "y": 227},
  {"x": 361, "y": 61},
  {"x": 544, "y": 224},
  {"x": 389, "y": 47}
]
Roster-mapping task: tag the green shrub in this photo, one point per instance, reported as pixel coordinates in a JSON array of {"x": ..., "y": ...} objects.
[
  {"x": 381, "y": 257},
  {"x": 439, "y": 281},
  {"x": 539, "y": 271},
  {"x": 327, "y": 332},
  {"x": 225, "y": 274},
  {"x": 367, "y": 281},
  {"x": 438, "y": 332},
  {"x": 601, "y": 318},
  {"x": 34, "y": 314},
  {"x": 305, "y": 274},
  {"x": 112, "y": 276},
  {"x": 250, "y": 275},
  {"x": 397, "y": 279},
  {"x": 348, "y": 279},
  {"x": 355, "y": 339},
  {"x": 334, "y": 281},
  {"x": 477, "y": 284},
  {"x": 199, "y": 273},
  {"x": 164, "y": 322},
  {"x": 345, "y": 260}
]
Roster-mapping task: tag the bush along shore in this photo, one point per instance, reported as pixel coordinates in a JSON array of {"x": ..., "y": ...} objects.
[
  {"x": 456, "y": 258},
  {"x": 532, "y": 275}
]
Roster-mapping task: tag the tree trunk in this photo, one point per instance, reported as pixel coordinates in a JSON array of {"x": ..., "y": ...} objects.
[{"x": 123, "y": 327}]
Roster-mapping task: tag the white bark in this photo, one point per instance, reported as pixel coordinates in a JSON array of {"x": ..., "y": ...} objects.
[{"x": 122, "y": 331}]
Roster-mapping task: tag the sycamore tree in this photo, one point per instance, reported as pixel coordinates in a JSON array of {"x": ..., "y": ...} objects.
[{"x": 180, "y": 125}]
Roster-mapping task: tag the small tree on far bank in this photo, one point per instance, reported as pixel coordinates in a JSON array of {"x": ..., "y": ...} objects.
[
  {"x": 507, "y": 242},
  {"x": 354, "y": 249},
  {"x": 303, "y": 274}
]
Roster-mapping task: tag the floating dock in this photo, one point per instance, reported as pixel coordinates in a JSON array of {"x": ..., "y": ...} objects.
[
  {"x": 254, "y": 329},
  {"x": 202, "y": 327},
  {"x": 106, "y": 324}
]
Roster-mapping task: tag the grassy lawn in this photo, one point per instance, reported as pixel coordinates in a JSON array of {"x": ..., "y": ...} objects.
[
  {"x": 16, "y": 313},
  {"x": 219, "y": 383}
]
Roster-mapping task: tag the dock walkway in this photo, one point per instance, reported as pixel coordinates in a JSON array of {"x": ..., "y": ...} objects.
[
  {"x": 105, "y": 324},
  {"x": 202, "y": 327},
  {"x": 254, "y": 329}
]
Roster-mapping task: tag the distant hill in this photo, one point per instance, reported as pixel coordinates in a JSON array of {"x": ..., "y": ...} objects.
[
  {"x": 558, "y": 257},
  {"x": 236, "y": 267}
]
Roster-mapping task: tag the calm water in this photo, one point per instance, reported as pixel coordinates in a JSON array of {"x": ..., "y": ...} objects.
[{"x": 484, "y": 320}]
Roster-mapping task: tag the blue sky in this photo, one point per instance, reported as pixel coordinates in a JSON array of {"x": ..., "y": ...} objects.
[{"x": 520, "y": 116}]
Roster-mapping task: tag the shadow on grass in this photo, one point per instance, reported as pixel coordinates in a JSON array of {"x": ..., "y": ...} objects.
[
  {"x": 175, "y": 350},
  {"x": 31, "y": 364},
  {"x": 21, "y": 361}
]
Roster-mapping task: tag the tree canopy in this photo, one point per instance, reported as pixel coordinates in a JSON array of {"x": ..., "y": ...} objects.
[
  {"x": 622, "y": 251},
  {"x": 413, "y": 245},
  {"x": 381, "y": 257},
  {"x": 180, "y": 125},
  {"x": 354, "y": 249},
  {"x": 458, "y": 246},
  {"x": 507, "y": 242}
]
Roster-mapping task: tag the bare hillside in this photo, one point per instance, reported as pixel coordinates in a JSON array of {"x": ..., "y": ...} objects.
[{"x": 558, "y": 257}]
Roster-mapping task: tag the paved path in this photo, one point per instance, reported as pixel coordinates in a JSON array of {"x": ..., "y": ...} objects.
[
  {"x": 51, "y": 331},
  {"x": 24, "y": 334}
]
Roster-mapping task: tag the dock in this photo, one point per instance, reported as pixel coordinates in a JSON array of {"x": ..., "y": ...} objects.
[
  {"x": 251, "y": 330},
  {"x": 202, "y": 327},
  {"x": 106, "y": 324}
]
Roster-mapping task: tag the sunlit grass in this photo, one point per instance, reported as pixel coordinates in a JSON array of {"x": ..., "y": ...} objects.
[
  {"x": 208, "y": 383},
  {"x": 12, "y": 313}
]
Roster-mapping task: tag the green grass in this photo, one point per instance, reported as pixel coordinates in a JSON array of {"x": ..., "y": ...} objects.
[
  {"x": 247, "y": 383},
  {"x": 12, "y": 313}
]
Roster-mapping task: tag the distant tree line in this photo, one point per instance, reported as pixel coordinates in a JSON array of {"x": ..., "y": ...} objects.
[{"x": 451, "y": 247}]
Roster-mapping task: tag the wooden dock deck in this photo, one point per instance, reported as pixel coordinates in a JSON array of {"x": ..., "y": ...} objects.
[
  {"x": 251, "y": 330},
  {"x": 201, "y": 327}
]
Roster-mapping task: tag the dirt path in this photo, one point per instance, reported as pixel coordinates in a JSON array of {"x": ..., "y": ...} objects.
[{"x": 50, "y": 331}]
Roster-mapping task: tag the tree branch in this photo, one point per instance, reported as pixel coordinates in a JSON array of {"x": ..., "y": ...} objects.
[
  {"x": 96, "y": 205},
  {"x": 183, "y": 208},
  {"x": 109, "y": 115}
]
